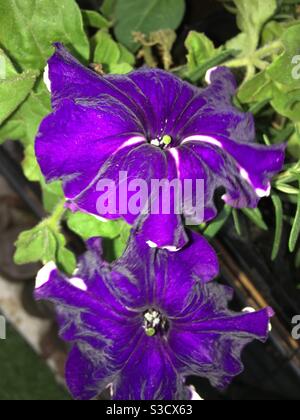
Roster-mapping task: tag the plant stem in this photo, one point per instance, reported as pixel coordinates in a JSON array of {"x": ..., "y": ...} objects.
[
  {"x": 57, "y": 214},
  {"x": 257, "y": 56}
]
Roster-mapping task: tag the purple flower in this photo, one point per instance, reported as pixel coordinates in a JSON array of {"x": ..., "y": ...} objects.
[
  {"x": 150, "y": 124},
  {"x": 145, "y": 323}
]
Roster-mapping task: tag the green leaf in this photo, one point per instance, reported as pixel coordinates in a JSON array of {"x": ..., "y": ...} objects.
[
  {"x": 30, "y": 166},
  {"x": 256, "y": 217},
  {"x": 286, "y": 69},
  {"x": 37, "y": 244},
  {"x": 146, "y": 17},
  {"x": 295, "y": 232},
  {"x": 114, "y": 57},
  {"x": 65, "y": 259},
  {"x": 200, "y": 49},
  {"x": 52, "y": 194},
  {"x": 93, "y": 19},
  {"x": 279, "y": 225},
  {"x": 88, "y": 226},
  {"x": 237, "y": 222},
  {"x": 29, "y": 28},
  {"x": 120, "y": 243},
  {"x": 251, "y": 18},
  {"x": 215, "y": 227},
  {"x": 23, "y": 124},
  {"x": 272, "y": 31},
  {"x": 257, "y": 89},
  {"x": 7, "y": 69},
  {"x": 294, "y": 143},
  {"x": 13, "y": 91},
  {"x": 108, "y": 8},
  {"x": 286, "y": 101},
  {"x": 44, "y": 243}
]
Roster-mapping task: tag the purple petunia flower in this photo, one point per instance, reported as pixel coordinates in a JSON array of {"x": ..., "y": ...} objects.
[
  {"x": 150, "y": 124},
  {"x": 145, "y": 323}
]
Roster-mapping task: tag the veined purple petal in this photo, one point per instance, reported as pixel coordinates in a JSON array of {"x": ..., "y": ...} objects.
[
  {"x": 160, "y": 277},
  {"x": 155, "y": 376},
  {"x": 103, "y": 125},
  {"x": 209, "y": 340},
  {"x": 244, "y": 169},
  {"x": 77, "y": 139},
  {"x": 86, "y": 375}
]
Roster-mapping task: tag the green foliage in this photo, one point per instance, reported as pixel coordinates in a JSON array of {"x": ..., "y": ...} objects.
[
  {"x": 94, "y": 19},
  {"x": 114, "y": 57},
  {"x": 21, "y": 85},
  {"x": 137, "y": 16},
  {"x": 88, "y": 226},
  {"x": 46, "y": 243},
  {"x": 200, "y": 50},
  {"x": 29, "y": 28}
]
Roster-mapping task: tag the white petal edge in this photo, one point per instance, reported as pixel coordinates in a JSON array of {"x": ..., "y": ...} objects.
[
  {"x": 47, "y": 79},
  {"x": 44, "y": 274},
  {"x": 195, "y": 396},
  {"x": 208, "y": 75},
  {"x": 78, "y": 283}
]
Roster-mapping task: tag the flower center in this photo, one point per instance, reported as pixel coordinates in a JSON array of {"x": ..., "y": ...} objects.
[
  {"x": 154, "y": 322},
  {"x": 163, "y": 142}
]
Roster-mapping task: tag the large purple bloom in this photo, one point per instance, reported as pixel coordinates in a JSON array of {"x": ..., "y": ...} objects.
[
  {"x": 144, "y": 324},
  {"x": 151, "y": 124}
]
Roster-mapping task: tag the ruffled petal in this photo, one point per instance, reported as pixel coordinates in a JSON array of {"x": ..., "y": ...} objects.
[
  {"x": 154, "y": 375},
  {"x": 209, "y": 340},
  {"x": 86, "y": 375},
  {"x": 69, "y": 79},
  {"x": 76, "y": 140},
  {"x": 245, "y": 170},
  {"x": 146, "y": 277}
]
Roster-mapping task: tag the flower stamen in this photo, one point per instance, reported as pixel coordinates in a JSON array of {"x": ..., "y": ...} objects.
[
  {"x": 163, "y": 142},
  {"x": 154, "y": 322}
]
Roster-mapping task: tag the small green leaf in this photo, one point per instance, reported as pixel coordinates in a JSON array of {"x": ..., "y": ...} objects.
[
  {"x": 23, "y": 124},
  {"x": 215, "y": 227},
  {"x": 114, "y": 58},
  {"x": 93, "y": 19},
  {"x": 44, "y": 243},
  {"x": 29, "y": 28},
  {"x": 286, "y": 101},
  {"x": 237, "y": 222},
  {"x": 294, "y": 143},
  {"x": 295, "y": 232},
  {"x": 279, "y": 225},
  {"x": 88, "y": 226},
  {"x": 256, "y": 217},
  {"x": 257, "y": 89},
  {"x": 272, "y": 31},
  {"x": 108, "y": 8},
  {"x": 65, "y": 259},
  {"x": 120, "y": 243},
  {"x": 286, "y": 69},
  {"x": 37, "y": 244},
  {"x": 251, "y": 18},
  {"x": 13, "y": 91},
  {"x": 200, "y": 50},
  {"x": 146, "y": 17}
]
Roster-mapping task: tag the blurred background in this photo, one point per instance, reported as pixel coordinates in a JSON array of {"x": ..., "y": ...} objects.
[{"x": 32, "y": 357}]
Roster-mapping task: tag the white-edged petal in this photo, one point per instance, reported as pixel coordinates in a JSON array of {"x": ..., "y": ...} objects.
[{"x": 44, "y": 274}]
